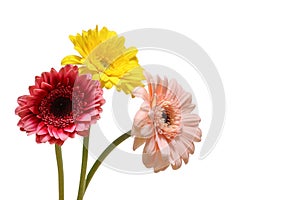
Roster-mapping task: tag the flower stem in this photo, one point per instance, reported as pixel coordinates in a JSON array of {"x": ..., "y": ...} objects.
[
  {"x": 82, "y": 181},
  {"x": 104, "y": 154},
  {"x": 60, "y": 170}
]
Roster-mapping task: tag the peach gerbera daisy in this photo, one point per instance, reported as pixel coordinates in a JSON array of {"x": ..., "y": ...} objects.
[{"x": 165, "y": 124}]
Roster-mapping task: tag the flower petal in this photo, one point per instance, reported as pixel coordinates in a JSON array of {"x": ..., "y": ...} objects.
[
  {"x": 149, "y": 153},
  {"x": 192, "y": 133},
  {"x": 72, "y": 59},
  {"x": 191, "y": 120},
  {"x": 147, "y": 131},
  {"x": 141, "y": 93},
  {"x": 138, "y": 142},
  {"x": 62, "y": 135},
  {"x": 160, "y": 162},
  {"x": 140, "y": 118},
  {"x": 53, "y": 131},
  {"x": 70, "y": 128}
]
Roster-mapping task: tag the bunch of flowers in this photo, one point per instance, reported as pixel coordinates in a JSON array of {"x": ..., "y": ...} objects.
[{"x": 65, "y": 103}]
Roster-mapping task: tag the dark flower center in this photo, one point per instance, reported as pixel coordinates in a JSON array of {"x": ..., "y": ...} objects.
[
  {"x": 61, "y": 107},
  {"x": 166, "y": 117},
  {"x": 57, "y": 107}
]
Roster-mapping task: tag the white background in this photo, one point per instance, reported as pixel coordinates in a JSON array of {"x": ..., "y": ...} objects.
[{"x": 255, "y": 46}]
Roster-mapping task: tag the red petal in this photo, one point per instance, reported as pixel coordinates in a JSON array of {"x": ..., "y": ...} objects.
[
  {"x": 46, "y": 86},
  {"x": 62, "y": 135},
  {"x": 43, "y": 131},
  {"x": 40, "y": 92},
  {"x": 70, "y": 128},
  {"x": 34, "y": 109}
]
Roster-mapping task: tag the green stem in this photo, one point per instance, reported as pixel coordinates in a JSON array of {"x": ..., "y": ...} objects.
[
  {"x": 82, "y": 181},
  {"x": 104, "y": 154},
  {"x": 60, "y": 170}
]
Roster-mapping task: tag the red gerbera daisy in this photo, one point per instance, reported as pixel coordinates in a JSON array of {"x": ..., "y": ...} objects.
[{"x": 60, "y": 105}]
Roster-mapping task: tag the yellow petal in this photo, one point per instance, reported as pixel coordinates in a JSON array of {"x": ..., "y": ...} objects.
[
  {"x": 96, "y": 77},
  {"x": 130, "y": 80},
  {"x": 72, "y": 59},
  {"x": 85, "y": 70},
  {"x": 108, "y": 85}
]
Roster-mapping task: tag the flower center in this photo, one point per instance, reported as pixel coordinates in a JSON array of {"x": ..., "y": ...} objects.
[
  {"x": 56, "y": 107},
  {"x": 167, "y": 120},
  {"x": 61, "y": 107},
  {"x": 105, "y": 63},
  {"x": 165, "y": 117}
]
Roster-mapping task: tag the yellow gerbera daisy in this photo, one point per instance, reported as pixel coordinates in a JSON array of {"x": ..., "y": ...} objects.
[{"x": 104, "y": 55}]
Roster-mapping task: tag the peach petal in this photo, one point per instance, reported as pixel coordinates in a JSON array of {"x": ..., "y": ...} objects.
[
  {"x": 138, "y": 142},
  {"x": 177, "y": 164},
  {"x": 173, "y": 154},
  {"x": 141, "y": 93},
  {"x": 151, "y": 83},
  {"x": 179, "y": 146},
  {"x": 191, "y": 120},
  {"x": 150, "y": 146},
  {"x": 162, "y": 86},
  {"x": 185, "y": 99},
  {"x": 160, "y": 162},
  {"x": 146, "y": 131},
  {"x": 172, "y": 90},
  {"x": 185, "y": 157},
  {"x": 140, "y": 118},
  {"x": 163, "y": 147},
  {"x": 188, "y": 108},
  {"x": 158, "y": 89},
  {"x": 192, "y": 133},
  {"x": 145, "y": 106},
  {"x": 135, "y": 131},
  {"x": 188, "y": 144},
  {"x": 148, "y": 159}
]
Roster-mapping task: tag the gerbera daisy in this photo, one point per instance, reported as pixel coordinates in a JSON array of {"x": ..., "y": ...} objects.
[
  {"x": 104, "y": 55},
  {"x": 165, "y": 124},
  {"x": 60, "y": 105}
]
